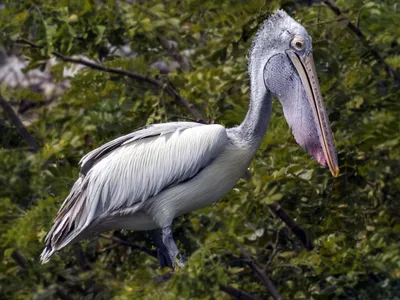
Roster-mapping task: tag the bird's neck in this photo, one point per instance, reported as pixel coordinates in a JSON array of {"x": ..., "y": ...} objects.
[{"x": 255, "y": 124}]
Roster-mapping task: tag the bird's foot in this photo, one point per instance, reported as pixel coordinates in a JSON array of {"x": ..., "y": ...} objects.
[
  {"x": 181, "y": 260},
  {"x": 163, "y": 258},
  {"x": 177, "y": 259},
  {"x": 162, "y": 252},
  {"x": 174, "y": 254}
]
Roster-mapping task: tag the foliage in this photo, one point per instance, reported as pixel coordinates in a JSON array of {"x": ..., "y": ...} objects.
[{"x": 353, "y": 219}]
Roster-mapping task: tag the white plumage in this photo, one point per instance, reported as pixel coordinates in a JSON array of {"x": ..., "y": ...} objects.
[{"x": 145, "y": 179}]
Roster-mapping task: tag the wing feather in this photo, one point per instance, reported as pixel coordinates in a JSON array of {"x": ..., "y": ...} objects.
[
  {"x": 94, "y": 156},
  {"x": 123, "y": 173}
]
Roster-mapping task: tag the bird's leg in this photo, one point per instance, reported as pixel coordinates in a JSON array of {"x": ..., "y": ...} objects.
[
  {"x": 162, "y": 252},
  {"x": 173, "y": 251}
]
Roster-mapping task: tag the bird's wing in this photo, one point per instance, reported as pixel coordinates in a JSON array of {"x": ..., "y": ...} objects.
[
  {"x": 125, "y": 172},
  {"x": 137, "y": 166},
  {"x": 155, "y": 130}
]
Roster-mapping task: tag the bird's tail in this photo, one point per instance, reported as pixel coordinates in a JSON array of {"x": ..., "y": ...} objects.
[
  {"x": 46, "y": 254},
  {"x": 68, "y": 223},
  {"x": 56, "y": 242}
]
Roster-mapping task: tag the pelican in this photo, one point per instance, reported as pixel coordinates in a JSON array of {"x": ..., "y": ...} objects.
[{"x": 145, "y": 179}]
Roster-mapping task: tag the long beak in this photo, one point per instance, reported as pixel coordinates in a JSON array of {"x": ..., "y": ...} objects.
[{"x": 306, "y": 69}]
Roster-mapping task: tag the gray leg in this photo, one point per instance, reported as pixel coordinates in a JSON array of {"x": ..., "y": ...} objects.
[
  {"x": 162, "y": 252},
  {"x": 173, "y": 251}
]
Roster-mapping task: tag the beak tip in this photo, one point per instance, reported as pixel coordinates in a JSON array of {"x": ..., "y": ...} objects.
[{"x": 335, "y": 172}]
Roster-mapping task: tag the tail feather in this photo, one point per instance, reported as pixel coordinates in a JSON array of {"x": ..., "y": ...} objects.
[
  {"x": 46, "y": 254},
  {"x": 64, "y": 230},
  {"x": 51, "y": 248}
]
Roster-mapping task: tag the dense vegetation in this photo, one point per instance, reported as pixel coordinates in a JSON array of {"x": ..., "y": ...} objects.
[{"x": 198, "y": 49}]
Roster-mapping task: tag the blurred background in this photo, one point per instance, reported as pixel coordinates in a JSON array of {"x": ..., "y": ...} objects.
[{"x": 289, "y": 231}]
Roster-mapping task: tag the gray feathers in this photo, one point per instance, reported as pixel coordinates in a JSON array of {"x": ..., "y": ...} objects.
[
  {"x": 124, "y": 173},
  {"x": 149, "y": 131},
  {"x": 265, "y": 32}
]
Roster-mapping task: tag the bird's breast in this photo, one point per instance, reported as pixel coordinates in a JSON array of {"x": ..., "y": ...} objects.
[{"x": 207, "y": 187}]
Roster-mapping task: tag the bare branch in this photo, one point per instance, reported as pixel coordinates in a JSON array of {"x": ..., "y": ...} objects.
[
  {"x": 181, "y": 100},
  {"x": 362, "y": 38},
  {"x": 99, "y": 67},
  {"x": 261, "y": 275},
  {"x": 109, "y": 247},
  {"x": 19, "y": 259},
  {"x": 238, "y": 294},
  {"x": 23, "y": 132},
  {"x": 176, "y": 117},
  {"x": 274, "y": 252},
  {"x": 167, "y": 87},
  {"x": 294, "y": 227},
  {"x": 127, "y": 244},
  {"x": 28, "y": 42}
]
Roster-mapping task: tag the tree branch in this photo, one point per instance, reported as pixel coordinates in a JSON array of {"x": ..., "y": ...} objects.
[
  {"x": 265, "y": 280},
  {"x": 19, "y": 259},
  {"x": 167, "y": 87},
  {"x": 96, "y": 66},
  {"x": 238, "y": 294},
  {"x": 362, "y": 37},
  {"x": 294, "y": 227},
  {"x": 262, "y": 276},
  {"x": 127, "y": 244},
  {"x": 23, "y": 132},
  {"x": 136, "y": 76},
  {"x": 273, "y": 254}
]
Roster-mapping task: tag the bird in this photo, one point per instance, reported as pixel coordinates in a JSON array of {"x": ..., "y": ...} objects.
[{"x": 147, "y": 178}]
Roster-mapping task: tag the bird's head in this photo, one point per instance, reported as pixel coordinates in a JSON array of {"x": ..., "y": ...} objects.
[{"x": 282, "y": 56}]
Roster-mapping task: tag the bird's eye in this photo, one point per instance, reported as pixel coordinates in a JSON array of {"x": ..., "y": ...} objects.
[{"x": 298, "y": 43}]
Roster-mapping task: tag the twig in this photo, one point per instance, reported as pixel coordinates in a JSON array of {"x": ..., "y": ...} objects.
[
  {"x": 265, "y": 280},
  {"x": 273, "y": 254},
  {"x": 99, "y": 67},
  {"x": 175, "y": 117},
  {"x": 238, "y": 294},
  {"x": 327, "y": 21},
  {"x": 23, "y": 132},
  {"x": 363, "y": 38},
  {"x": 109, "y": 247},
  {"x": 134, "y": 246},
  {"x": 262, "y": 275},
  {"x": 136, "y": 76},
  {"x": 180, "y": 100},
  {"x": 19, "y": 259},
  {"x": 28, "y": 42},
  {"x": 294, "y": 268},
  {"x": 294, "y": 227}
]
